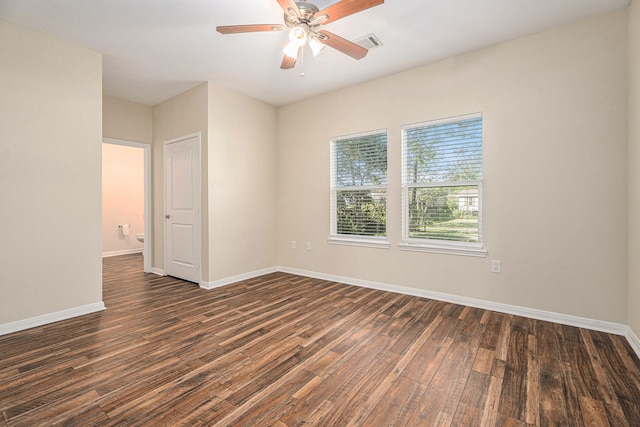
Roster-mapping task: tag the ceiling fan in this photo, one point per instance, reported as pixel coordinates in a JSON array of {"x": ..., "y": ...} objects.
[{"x": 303, "y": 20}]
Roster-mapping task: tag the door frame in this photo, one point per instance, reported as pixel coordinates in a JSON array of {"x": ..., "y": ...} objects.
[
  {"x": 148, "y": 216},
  {"x": 198, "y": 201}
]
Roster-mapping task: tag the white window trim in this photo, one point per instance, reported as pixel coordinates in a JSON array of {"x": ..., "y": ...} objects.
[
  {"x": 346, "y": 239},
  {"x": 444, "y": 247},
  {"x": 432, "y": 245},
  {"x": 363, "y": 241}
]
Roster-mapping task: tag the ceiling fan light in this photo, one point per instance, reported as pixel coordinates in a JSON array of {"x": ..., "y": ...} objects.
[
  {"x": 298, "y": 36},
  {"x": 316, "y": 46},
  {"x": 291, "y": 50}
]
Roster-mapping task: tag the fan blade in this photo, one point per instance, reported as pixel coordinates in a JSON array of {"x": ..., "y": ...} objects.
[
  {"x": 343, "y": 45},
  {"x": 344, "y": 8},
  {"x": 290, "y": 8},
  {"x": 289, "y": 62},
  {"x": 233, "y": 29}
]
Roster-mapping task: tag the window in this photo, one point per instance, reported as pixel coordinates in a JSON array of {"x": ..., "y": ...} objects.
[
  {"x": 359, "y": 189},
  {"x": 442, "y": 186}
]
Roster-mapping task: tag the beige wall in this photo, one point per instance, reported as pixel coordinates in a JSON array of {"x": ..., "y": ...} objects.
[
  {"x": 50, "y": 149},
  {"x": 238, "y": 180},
  {"x": 126, "y": 120},
  {"x": 555, "y": 135},
  {"x": 242, "y": 184},
  {"x": 181, "y": 115},
  {"x": 122, "y": 197},
  {"x": 634, "y": 166}
]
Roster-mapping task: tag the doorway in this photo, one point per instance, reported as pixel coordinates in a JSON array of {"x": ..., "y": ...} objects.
[{"x": 125, "y": 228}]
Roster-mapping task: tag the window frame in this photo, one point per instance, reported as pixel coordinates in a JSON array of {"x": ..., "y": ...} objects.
[
  {"x": 354, "y": 239},
  {"x": 434, "y": 245}
]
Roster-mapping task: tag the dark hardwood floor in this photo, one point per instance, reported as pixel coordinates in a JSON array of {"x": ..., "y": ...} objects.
[{"x": 284, "y": 350}]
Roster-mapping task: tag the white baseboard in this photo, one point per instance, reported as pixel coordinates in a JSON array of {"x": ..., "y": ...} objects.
[
  {"x": 121, "y": 252},
  {"x": 32, "y": 322},
  {"x": 240, "y": 277},
  {"x": 581, "y": 322},
  {"x": 158, "y": 271},
  {"x": 634, "y": 342}
]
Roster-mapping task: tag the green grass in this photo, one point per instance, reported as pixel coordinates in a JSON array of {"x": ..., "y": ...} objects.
[{"x": 461, "y": 229}]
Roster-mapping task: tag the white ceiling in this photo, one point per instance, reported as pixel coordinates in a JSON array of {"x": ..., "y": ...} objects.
[{"x": 156, "y": 49}]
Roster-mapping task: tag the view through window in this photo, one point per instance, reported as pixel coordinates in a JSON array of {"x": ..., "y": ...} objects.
[
  {"x": 359, "y": 185},
  {"x": 442, "y": 180}
]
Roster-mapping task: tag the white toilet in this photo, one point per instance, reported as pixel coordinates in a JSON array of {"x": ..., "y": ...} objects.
[{"x": 140, "y": 237}]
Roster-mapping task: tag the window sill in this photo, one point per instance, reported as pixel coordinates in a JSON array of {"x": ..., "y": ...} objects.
[
  {"x": 447, "y": 249},
  {"x": 363, "y": 242}
]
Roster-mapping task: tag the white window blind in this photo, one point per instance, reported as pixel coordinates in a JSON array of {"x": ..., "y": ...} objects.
[
  {"x": 442, "y": 181},
  {"x": 359, "y": 185}
]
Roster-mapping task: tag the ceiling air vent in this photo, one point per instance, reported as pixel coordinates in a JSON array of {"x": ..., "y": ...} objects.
[{"x": 369, "y": 42}]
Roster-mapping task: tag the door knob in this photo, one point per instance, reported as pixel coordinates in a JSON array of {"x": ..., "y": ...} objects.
[{"x": 167, "y": 216}]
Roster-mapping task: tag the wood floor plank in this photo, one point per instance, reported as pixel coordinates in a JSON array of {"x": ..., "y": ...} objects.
[
  {"x": 593, "y": 412},
  {"x": 385, "y": 377},
  {"x": 553, "y": 404},
  {"x": 492, "y": 402},
  {"x": 466, "y": 415},
  {"x": 475, "y": 390},
  {"x": 605, "y": 381},
  {"x": 400, "y": 400},
  {"x": 366, "y": 390},
  {"x": 341, "y": 382},
  {"x": 532, "y": 408},
  {"x": 618, "y": 363},
  {"x": 483, "y": 361},
  {"x": 443, "y": 393},
  {"x": 286, "y": 350}
]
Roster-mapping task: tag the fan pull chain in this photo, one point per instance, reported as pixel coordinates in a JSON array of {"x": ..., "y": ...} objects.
[{"x": 302, "y": 61}]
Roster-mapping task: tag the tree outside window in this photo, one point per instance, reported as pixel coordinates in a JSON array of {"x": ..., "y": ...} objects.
[
  {"x": 359, "y": 185},
  {"x": 442, "y": 180}
]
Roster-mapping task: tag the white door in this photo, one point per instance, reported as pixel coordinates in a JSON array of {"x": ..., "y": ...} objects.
[{"x": 182, "y": 208}]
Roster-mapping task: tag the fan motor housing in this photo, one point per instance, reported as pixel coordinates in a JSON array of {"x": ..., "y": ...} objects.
[{"x": 307, "y": 10}]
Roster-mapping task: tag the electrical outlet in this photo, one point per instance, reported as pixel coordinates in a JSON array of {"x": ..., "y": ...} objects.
[
  {"x": 496, "y": 266},
  {"x": 308, "y": 246},
  {"x": 293, "y": 244}
]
